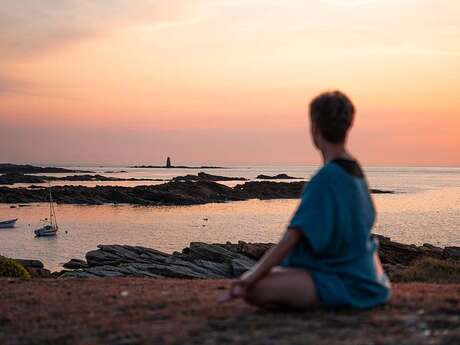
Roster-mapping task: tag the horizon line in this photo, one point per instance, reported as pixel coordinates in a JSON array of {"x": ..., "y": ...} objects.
[{"x": 229, "y": 165}]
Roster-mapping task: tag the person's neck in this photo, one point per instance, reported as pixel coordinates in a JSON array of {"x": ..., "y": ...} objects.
[{"x": 334, "y": 151}]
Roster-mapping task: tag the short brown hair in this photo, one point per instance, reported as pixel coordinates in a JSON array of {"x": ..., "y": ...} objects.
[{"x": 333, "y": 113}]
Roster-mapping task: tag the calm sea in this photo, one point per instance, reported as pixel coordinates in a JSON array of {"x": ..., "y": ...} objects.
[{"x": 425, "y": 208}]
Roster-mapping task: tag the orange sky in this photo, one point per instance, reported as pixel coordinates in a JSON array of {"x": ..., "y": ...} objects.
[{"x": 226, "y": 81}]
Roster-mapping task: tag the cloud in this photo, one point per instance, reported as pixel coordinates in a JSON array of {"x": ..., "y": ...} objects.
[
  {"x": 14, "y": 86},
  {"x": 30, "y": 27},
  {"x": 356, "y": 3}
]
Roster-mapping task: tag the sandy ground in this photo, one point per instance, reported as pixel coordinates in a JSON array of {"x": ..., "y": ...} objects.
[{"x": 126, "y": 311}]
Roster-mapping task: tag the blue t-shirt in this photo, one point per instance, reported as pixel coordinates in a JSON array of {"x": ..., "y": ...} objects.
[{"x": 335, "y": 216}]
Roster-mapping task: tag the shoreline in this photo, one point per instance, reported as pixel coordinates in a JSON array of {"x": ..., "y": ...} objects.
[
  {"x": 229, "y": 260},
  {"x": 166, "y": 194}
]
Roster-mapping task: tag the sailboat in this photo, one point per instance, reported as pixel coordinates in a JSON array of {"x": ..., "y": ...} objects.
[{"x": 51, "y": 228}]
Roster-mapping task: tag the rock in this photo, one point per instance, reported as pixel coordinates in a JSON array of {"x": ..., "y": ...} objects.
[
  {"x": 429, "y": 247},
  {"x": 6, "y": 168},
  {"x": 176, "y": 167},
  {"x": 199, "y": 260},
  {"x": 271, "y": 190},
  {"x": 380, "y": 191},
  {"x": 35, "y": 268},
  {"x": 218, "y": 270},
  {"x": 204, "y": 251},
  {"x": 201, "y": 176},
  {"x": 222, "y": 261},
  {"x": 278, "y": 177},
  {"x": 118, "y": 254},
  {"x": 171, "y": 193},
  {"x": 12, "y": 178},
  {"x": 38, "y": 272},
  {"x": 251, "y": 250},
  {"x": 173, "y": 269},
  {"x": 241, "y": 265},
  {"x": 452, "y": 252},
  {"x": 98, "y": 177},
  {"x": 75, "y": 264},
  {"x": 30, "y": 263}
]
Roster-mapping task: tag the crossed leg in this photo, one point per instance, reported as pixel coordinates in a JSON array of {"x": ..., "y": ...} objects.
[{"x": 284, "y": 287}]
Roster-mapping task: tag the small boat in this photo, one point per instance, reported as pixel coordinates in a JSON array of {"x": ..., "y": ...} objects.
[
  {"x": 47, "y": 230},
  {"x": 51, "y": 228},
  {"x": 8, "y": 223}
]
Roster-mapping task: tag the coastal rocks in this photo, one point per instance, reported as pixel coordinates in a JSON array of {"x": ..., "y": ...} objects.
[
  {"x": 187, "y": 193},
  {"x": 277, "y": 177},
  {"x": 271, "y": 190},
  {"x": 170, "y": 193},
  {"x": 98, "y": 177},
  {"x": 34, "y": 267},
  {"x": 380, "y": 191},
  {"x": 6, "y": 168},
  {"x": 252, "y": 250},
  {"x": 453, "y": 252},
  {"x": 200, "y": 260},
  {"x": 202, "y": 176},
  {"x": 118, "y": 254},
  {"x": 229, "y": 260},
  {"x": 175, "y": 167},
  {"x": 12, "y": 178},
  {"x": 75, "y": 264},
  {"x": 394, "y": 253}
]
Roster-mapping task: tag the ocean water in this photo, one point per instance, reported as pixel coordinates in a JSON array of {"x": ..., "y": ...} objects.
[{"x": 425, "y": 209}]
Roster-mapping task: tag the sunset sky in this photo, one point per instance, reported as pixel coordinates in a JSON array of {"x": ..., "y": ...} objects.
[{"x": 226, "y": 81}]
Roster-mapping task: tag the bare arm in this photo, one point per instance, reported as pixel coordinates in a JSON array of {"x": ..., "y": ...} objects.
[{"x": 272, "y": 257}]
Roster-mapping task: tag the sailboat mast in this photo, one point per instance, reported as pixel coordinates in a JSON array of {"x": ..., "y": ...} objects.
[
  {"x": 52, "y": 213},
  {"x": 51, "y": 207}
]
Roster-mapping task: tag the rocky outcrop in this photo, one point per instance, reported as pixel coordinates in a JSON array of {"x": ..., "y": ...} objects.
[
  {"x": 12, "y": 178},
  {"x": 75, "y": 264},
  {"x": 277, "y": 177},
  {"x": 6, "y": 168},
  {"x": 199, "y": 260},
  {"x": 229, "y": 260},
  {"x": 396, "y": 255},
  {"x": 176, "y": 167},
  {"x": 35, "y": 268},
  {"x": 271, "y": 190},
  {"x": 171, "y": 193},
  {"x": 202, "y": 176}
]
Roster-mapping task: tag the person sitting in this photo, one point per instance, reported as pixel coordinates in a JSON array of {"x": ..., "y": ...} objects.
[{"x": 327, "y": 256}]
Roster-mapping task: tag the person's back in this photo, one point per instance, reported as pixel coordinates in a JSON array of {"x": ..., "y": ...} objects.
[
  {"x": 327, "y": 254},
  {"x": 340, "y": 253}
]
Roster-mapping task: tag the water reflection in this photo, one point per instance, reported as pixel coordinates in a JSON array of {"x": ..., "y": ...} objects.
[{"x": 429, "y": 216}]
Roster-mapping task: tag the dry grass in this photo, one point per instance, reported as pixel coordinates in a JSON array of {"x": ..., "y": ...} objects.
[
  {"x": 138, "y": 311},
  {"x": 429, "y": 270}
]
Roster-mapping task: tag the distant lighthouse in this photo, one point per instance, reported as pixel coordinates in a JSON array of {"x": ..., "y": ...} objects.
[{"x": 168, "y": 163}]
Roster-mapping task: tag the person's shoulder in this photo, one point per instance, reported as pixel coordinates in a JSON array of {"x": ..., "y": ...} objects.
[
  {"x": 329, "y": 171},
  {"x": 329, "y": 175},
  {"x": 324, "y": 175}
]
